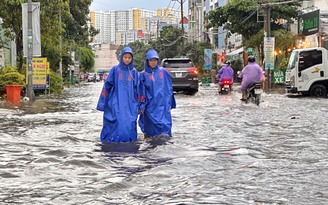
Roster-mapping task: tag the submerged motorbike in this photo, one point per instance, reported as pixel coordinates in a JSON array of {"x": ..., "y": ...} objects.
[
  {"x": 254, "y": 92},
  {"x": 225, "y": 87}
]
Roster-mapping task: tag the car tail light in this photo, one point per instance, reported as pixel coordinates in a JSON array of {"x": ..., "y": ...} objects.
[{"x": 193, "y": 70}]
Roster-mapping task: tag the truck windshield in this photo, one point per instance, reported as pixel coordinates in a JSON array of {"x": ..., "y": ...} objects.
[{"x": 292, "y": 60}]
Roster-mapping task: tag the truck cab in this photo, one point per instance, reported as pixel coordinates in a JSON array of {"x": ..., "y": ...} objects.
[{"x": 307, "y": 72}]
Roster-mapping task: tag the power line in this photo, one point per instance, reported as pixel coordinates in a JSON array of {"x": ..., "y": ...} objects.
[{"x": 170, "y": 10}]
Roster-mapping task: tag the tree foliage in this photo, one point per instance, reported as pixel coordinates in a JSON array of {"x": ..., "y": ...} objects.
[
  {"x": 196, "y": 53},
  {"x": 11, "y": 14},
  {"x": 169, "y": 42},
  {"x": 87, "y": 58},
  {"x": 56, "y": 83},
  {"x": 240, "y": 16},
  {"x": 72, "y": 31},
  {"x": 168, "y": 46}
]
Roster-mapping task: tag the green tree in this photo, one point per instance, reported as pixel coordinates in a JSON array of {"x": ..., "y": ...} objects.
[
  {"x": 169, "y": 43},
  {"x": 11, "y": 14},
  {"x": 284, "y": 42},
  {"x": 76, "y": 27},
  {"x": 73, "y": 28},
  {"x": 240, "y": 16},
  {"x": 168, "y": 46},
  {"x": 140, "y": 50},
  {"x": 196, "y": 53},
  {"x": 56, "y": 83},
  {"x": 87, "y": 59}
]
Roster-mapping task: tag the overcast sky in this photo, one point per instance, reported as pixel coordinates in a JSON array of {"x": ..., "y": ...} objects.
[{"x": 107, "y": 5}]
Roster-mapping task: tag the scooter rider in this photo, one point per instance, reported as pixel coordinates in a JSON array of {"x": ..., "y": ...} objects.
[
  {"x": 226, "y": 73},
  {"x": 250, "y": 74}
]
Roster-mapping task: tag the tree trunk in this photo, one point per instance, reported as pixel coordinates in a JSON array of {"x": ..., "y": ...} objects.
[{"x": 19, "y": 52}]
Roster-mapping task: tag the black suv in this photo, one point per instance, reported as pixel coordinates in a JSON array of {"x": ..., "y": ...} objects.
[{"x": 184, "y": 74}]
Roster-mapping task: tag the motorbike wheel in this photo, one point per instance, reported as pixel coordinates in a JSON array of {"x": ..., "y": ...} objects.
[{"x": 257, "y": 99}]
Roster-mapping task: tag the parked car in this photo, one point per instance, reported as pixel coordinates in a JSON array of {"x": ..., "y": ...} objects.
[{"x": 184, "y": 74}]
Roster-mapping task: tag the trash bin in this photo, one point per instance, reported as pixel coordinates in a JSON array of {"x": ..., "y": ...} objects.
[
  {"x": 73, "y": 79},
  {"x": 13, "y": 92},
  {"x": 209, "y": 80},
  {"x": 203, "y": 81}
]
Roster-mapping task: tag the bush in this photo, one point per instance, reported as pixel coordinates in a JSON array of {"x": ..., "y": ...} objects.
[
  {"x": 283, "y": 64},
  {"x": 9, "y": 75},
  {"x": 56, "y": 83}
]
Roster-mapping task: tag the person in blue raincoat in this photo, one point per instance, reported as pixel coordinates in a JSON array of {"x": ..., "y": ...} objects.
[
  {"x": 119, "y": 101},
  {"x": 156, "y": 98}
]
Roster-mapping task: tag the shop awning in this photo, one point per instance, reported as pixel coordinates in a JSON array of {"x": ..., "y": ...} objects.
[{"x": 234, "y": 54}]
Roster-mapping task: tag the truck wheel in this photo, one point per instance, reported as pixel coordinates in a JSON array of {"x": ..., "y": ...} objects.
[{"x": 318, "y": 91}]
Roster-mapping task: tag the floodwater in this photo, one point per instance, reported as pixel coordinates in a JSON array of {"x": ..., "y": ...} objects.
[{"x": 222, "y": 152}]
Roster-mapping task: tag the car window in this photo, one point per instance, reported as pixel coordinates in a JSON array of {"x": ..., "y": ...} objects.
[
  {"x": 177, "y": 64},
  {"x": 310, "y": 58}
]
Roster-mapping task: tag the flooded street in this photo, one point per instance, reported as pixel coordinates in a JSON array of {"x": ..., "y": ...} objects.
[{"x": 222, "y": 152}]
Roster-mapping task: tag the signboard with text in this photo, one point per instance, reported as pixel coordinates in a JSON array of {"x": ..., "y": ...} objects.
[
  {"x": 269, "y": 52},
  {"x": 39, "y": 78},
  {"x": 308, "y": 23},
  {"x": 48, "y": 75},
  {"x": 278, "y": 76}
]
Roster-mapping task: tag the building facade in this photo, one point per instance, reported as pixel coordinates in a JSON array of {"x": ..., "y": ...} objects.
[
  {"x": 126, "y": 26},
  {"x": 7, "y": 49}
]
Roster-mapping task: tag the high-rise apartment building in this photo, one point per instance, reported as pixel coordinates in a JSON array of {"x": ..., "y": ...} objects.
[
  {"x": 100, "y": 20},
  {"x": 125, "y": 26}
]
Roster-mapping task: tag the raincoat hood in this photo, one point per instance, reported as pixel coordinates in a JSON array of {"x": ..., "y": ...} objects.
[
  {"x": 125, "y": 50},
  {"x": 151, "y": 54}
]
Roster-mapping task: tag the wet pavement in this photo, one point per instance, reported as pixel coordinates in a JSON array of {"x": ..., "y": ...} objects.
[{"x": 223, "y": 152}]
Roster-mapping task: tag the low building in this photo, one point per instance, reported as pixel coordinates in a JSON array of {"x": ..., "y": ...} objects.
[{"x": 7, "y": 49}]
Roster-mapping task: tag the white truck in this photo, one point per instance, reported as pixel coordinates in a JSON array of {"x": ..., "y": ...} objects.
[{"x": 307, "y": 72}]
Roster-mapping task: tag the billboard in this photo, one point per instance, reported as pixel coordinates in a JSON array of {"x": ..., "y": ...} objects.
[
  {"x": 308, "y": 23},
  {"x": 208, "y": 59}
]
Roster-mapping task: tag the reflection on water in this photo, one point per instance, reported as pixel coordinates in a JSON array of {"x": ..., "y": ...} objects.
[
  {"x": 222, "y": 152},
  {"x": 134, "y": 147},
  {"x": 131, "y": 148}
]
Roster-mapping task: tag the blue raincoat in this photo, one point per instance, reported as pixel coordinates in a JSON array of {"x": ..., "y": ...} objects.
[
  {"x": 156, "y": 99},
  {"x": 119, "y": 101}
]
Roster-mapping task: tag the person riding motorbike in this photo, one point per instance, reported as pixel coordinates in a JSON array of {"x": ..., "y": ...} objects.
[
  {"x": 226, "y": 73},
  {"x": 251, "y": 73}
]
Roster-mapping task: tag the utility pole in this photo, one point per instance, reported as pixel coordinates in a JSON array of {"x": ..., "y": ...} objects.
[
  {"x": 182, "y": 28},
  {"x": 157, "y": 29},
  {"x": 30, "y": 91},
  {"x": 182, "y": 39},
  {"x": 267, "y": 30},
  {"x": 60, "y": 46}
]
